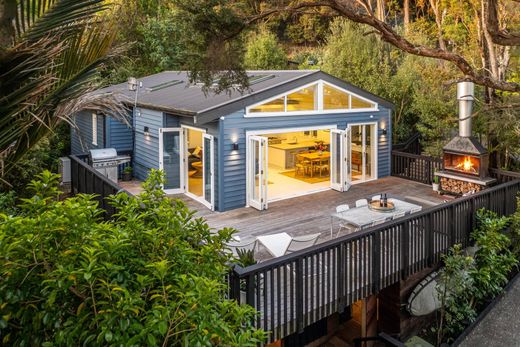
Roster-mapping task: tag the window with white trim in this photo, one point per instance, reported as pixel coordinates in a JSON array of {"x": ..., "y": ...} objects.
[
  {"x": 317, "y": 97},
  {"x": 94, "y": 129}
]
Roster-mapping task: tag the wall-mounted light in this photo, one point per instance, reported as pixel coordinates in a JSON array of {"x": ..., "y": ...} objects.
[
  {"x": 383, "y": 131},
  {"x": 146, "y": 131},
  {"x": 235, "y": 146}
]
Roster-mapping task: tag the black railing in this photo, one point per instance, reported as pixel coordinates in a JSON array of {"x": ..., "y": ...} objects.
[
  {"x": 86, "y": 180},
  {"x": 412, "y": 145},
  {"x": 419, "y": 168},
  {"x": 503, "y": 176},
  {"x": 294, "y": 291}
]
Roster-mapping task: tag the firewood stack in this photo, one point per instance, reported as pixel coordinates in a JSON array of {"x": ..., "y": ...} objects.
[{"x": 458, "y": 186}]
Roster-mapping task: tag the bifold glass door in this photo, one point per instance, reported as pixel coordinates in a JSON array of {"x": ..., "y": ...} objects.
[
  {"x": 208, "y": 176},
  {"x": 257, "y": 172},
  {"x": 363, "y": 153},
  {"x": 340, "y": 172},
  {"x": 170, "y": 159}
]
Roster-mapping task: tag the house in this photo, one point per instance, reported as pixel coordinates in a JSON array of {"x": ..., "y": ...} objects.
[{"x": 292, "y": 133}]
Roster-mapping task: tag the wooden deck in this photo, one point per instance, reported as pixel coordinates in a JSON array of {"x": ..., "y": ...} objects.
[{"x": 310, "y": 214}]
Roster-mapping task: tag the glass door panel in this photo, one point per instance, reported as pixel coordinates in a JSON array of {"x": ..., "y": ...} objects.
[
  {"x": 369, "y": 151},
  {"x": 336, "y": 159},
  {"x": 356, "y": 150},
  {"x": 170, "y": 143},
  {"x": 257, "y": 172},
  {"x": 208, "y": 162}
]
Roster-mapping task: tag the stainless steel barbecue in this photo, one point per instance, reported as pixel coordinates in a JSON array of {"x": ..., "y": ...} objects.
[{"x": 106, "y": 161}]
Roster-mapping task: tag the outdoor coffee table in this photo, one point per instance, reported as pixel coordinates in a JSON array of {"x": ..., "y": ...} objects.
[{"x": 276, "y": 244}]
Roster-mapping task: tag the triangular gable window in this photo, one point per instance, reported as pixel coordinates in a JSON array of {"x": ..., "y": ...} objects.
[{"x": 317, "y": 97}]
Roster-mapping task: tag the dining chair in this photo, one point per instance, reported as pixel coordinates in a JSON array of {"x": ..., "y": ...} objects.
[
  {"x": 342, "y": 208},
  {"x": 302, "y": 242},
  {"x": 399, "y": 215},
  {"x": 323, "y": 165},
  {"x": 342, "y": 224},
  {"x": 361, "y": 202},
  {"x": 364, "y": 226},
  {"x": 241, "y": 245},
  {"x": 379, "y": 221},
  {"x": 416, "y": 209},
  {"x": 376, "y": 197}
]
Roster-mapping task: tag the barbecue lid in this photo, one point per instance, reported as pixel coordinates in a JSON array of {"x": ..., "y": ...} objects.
[{"x": 103, "y": 154}]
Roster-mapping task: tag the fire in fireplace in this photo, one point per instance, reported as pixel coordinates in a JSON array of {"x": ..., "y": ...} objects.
[{"x": 465, "y": 160}]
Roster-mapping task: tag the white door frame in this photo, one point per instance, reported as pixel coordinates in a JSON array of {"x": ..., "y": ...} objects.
[
  {"x": 181, "y": 157},
  {"x": 375, "y": 155},
  {"x": 211, "y": 203},
  {"x": 201, "y": 198},
  {"x": 250, "y": 172}
]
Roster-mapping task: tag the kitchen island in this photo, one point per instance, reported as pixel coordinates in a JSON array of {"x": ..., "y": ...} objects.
[{"x": 284, "y": 154}]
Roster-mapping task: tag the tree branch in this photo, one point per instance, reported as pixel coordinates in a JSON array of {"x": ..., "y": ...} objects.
[
  {"x": 499, "y": 37},
  {"x": 348, "y": 9}
]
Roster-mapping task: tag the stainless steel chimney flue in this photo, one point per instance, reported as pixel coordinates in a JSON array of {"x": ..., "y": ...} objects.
[{"x": 465, "y": 95}]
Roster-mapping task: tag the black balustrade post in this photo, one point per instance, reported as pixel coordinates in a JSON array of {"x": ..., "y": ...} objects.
[
  {"x": 234, "y": 286},
  {"x": 299, "y": 296},
  {"x": 377, "y": 253},
  {"x": 250, "y": 290},
  {"x": 430, "y": 235},
  {"x": 405, "y": 248},
  {"x": 341, "y": 273}
]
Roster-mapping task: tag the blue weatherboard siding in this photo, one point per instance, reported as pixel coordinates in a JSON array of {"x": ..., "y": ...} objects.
[
  {"x": 146, "y": 149},
  {"x": 119, "y": 135},
  {"x": 81, "y": 134},
  {"x": 232, "y": 164}
]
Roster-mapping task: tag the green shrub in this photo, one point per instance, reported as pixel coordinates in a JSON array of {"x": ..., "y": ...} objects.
[{"x": 152, "y": 276}]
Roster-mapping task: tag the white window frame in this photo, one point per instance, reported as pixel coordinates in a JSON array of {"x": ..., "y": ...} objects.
[
  {"x": 320, "y": 83},
  {"x": 94, "y": 128}
]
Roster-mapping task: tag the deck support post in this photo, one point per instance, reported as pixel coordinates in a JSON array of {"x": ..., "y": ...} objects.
[{"x": 369, "y": 318}]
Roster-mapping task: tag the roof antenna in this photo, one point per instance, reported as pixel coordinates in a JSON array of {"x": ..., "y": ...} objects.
[{"x": 133, "y": 85}]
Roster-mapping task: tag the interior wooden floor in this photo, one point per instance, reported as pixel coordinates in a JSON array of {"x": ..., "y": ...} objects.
[{"x": 310, "y": 214}]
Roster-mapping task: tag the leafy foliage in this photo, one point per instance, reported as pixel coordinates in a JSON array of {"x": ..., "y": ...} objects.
[
  {"x": 48, "y": 63},
  {"x": 152, "y": 276},
  {"x": 455, "y": 286},
  {"x": 469, "y": 282},
  {"x": 264, "y": 53}
]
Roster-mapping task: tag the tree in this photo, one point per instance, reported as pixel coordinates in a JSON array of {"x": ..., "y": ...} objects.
[
  {"x": 374, "y": 15},
  {"x": 264, "y": 53},
  {"x": 152, "y": 276},
  {"x": 49, "y": 53}
]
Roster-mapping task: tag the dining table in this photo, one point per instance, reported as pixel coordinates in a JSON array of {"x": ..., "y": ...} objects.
[
  {"x": 363, "y": 216},
  {"x": 315, "y": 157}
]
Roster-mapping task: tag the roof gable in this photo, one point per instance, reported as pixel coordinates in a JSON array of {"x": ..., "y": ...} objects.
[{"x": 171, "y": 92}]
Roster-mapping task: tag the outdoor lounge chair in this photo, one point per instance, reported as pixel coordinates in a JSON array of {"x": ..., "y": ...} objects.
[
  {"x": 302, "y": 242},
  {"x": 241, "y": 245}
]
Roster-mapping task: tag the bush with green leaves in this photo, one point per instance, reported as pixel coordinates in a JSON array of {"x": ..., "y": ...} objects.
[
  {"x": 467, "y": 283},
  {"x": 154, "y": 275}
]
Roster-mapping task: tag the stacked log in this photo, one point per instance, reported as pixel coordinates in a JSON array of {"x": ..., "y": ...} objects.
[{"x": 458, "y": 186}]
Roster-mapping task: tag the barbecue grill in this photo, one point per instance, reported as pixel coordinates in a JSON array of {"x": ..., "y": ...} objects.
[{"x": 106, "y": 161}]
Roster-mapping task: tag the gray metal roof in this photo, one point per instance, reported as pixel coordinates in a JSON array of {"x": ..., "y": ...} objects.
[{"x": 171, "y": 92}]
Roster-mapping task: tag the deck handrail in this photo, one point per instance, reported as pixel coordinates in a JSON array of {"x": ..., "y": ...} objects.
[
  {"x": 87, "y": 180},
  {"x": 296, "y": 290},
  {"x": 415, "y": 167}
]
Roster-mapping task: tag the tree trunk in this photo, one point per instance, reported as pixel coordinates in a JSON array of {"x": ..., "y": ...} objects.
[
  {"x": 406, "y": 14},
  {"x": 7, "y": 15}
]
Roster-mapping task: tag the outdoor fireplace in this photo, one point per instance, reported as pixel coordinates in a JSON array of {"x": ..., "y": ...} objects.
[{"x": 465, "y": 160}]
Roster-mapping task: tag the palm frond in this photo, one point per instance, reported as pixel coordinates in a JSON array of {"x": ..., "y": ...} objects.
[{"x": 39, "y": 18}]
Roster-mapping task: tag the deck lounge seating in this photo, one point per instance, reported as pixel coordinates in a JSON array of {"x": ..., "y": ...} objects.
[
  {"x": 302, "y": 242},
  {"x": 241, "y": 245}
]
